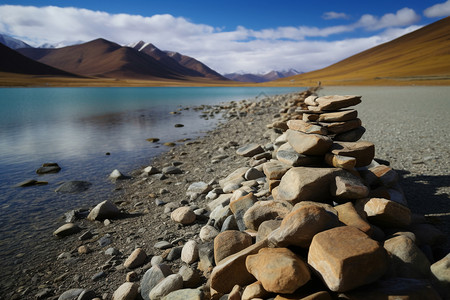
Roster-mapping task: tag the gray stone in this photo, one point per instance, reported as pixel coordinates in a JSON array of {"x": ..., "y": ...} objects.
[
  {"x": 71, "y": 294},
  {"x": 152, "y": 277},
  {"x": 48, "y": 168},
  {"x": 73, "y": 187},
  {"x": 185, "y": 294},
  {"x": 230, "y": 223},
  {"x": 66, "y": 230},
  {"x": 199, "y": 188},
  {"x": 104, "y": 210},
  {"x": 166, "y": 286},
  {"x": 249, "y": 150},
  {"x": 127, "y": 291},
  {"x": 253, "y": 173},
  {"x": 208, "y": 233},
  {"x": 191, "y": 276},
  {"x": 348, "y": 187},
  {"x": 336, "y": 102},
  {"x": 172, "y": 170},
  {"x": 174, "y": 254},
  {"x": 309, "y": 144},
  {"x": 353, "y": 135},
  {"x": 287, "y": 155},
  {"x": 30, "y": 182},
  {"x": 117, "y": 175}
]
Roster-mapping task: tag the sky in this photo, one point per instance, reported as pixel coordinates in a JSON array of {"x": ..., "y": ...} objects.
[{"x": 253, "y": 36}]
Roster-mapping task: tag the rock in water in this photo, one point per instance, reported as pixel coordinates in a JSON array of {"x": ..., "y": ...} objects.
[
  {"x": 48, "y": 168},
  {"x": 73, "y": 187}
]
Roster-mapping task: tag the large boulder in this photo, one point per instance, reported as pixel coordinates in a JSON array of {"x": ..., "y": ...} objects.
[
  {"x": 104, "y": 210},
  {"x": 230, "y": 242}
]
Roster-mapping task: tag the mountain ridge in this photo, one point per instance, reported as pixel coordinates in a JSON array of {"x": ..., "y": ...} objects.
[{"x": 259, "y": 78}]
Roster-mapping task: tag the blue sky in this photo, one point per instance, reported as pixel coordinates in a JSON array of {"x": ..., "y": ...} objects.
[{"x": 229, "y": 36}]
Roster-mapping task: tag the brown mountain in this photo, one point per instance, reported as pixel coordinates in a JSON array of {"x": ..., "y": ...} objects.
[
  {"x": 420, "y": 57},
  {"x": 102, "y": 58},
  {"x": 193, "y": 64},
  {"x": 13, "y": 62}
]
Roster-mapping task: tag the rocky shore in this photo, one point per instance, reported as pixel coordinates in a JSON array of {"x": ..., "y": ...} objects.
[{"x": 283, "y": 201}]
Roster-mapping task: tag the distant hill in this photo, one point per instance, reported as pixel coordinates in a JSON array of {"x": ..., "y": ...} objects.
[
  {"x": 258, "y": 78},
  {"x": 12, "y": 42},
  {"x": 193, "y": 64},
  {"x": 420, "y": 56},
  {"x": 102, "y": 58},
  {"x": 14, "y": 62}
]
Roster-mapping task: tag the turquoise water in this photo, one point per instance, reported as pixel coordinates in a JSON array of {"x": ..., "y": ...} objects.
[{"x": 75, "y": 127}]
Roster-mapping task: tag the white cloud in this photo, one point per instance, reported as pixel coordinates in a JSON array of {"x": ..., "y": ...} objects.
[
  {"x": 438, "y": 10},
  {"x": 303, "y": 47},
  {"x": 330, "y": 15}
]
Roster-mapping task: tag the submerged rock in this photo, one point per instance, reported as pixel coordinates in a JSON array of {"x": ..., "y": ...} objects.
[{"x": 73, "y": 187}]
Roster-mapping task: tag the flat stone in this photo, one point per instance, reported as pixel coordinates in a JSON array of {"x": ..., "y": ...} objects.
[
  {"x": 341, "y": 127},
  {"x": 348, "y": 187},
  {"x": 199, "y": 188},
  {"x": 384, "y": 175},
  {"x": 136, "y": 259},
  {"x": 249, "y": 150},
  {"x": 353, "y": 135},
  {"x": 306, "y": 127},
  {"x": 308, "y": 144},
  {"x": 185, "y": 294},
  {"x": 189, "y": 253},
  {"x": 172, "y": 170},
  {"x": 275, "y": 169},
  {"x": 339, "y": 161},
  {"x": 152, "y": 277},
  {"x": 127, "y": 291},
  {"x": 183, "y": 215},
  {"x": 287, "y": 155},
  {"x": 232, "y": 270},
  {"x": 386, "y": 213},
  {"x": 30, "y": 182},
  {"x": 363, "y": 151},
  {"x": 265, "y": 210},
  {"x": 338, "y": 116},
  {"x": 306, "y": 184},
  {"x": 163, "y": 245},
  {"x": 66, "y": 230},
  {"x": 346, "y": 258},
  {"x": 349, "y": 216},
  {"x": 166, "y": 286},
  {"x": 230, "y": 242},
  {"x": 219, "y": 215},
  {"x": 300, "y": 226},
  {"x": 278, "y": 269},
  {"x": 336, "y": 102},
  {"x": 252, "y": 174},
  {"x": 406, "y": 260},
  {"x": 71, "y": 294},
  {"x": 103, "y": 210},
  {"x": 74, "y": 186},
  {"x": 311, "y": 100}
]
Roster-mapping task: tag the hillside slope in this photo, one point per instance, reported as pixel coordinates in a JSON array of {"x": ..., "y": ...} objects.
[{"x": 420, "y": 56}]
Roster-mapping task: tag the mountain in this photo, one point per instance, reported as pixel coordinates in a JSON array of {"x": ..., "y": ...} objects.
[
  {"x": 193, "y": 64},
  {"x": 419, "y": 57},
  {"x": 102, "y": 58},
  {"x": 257, "y": 78},
  {"x": 60, "y": 44},
  {"x": 14, "y": 62},
  {"x": 12, "y": 42}
]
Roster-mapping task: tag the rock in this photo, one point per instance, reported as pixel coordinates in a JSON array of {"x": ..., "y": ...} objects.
[
  {"x": 48, "y": 168},
  {"x": 230, "y": 242},
  {"x": 83, "y": 249},
  {"x": 131, "y": 276},
  {"x": 232, "y": 270},
  {"x": 117, "y": 175},
  {"x": 191, "y": 277},
  {"x": 219, "y": 215},
  {"x": 428, "y": 234},
  {"x": 30, "y": 182},
  {"x": 222, "y": 200},
  {"x": 174, "y": 253},
  {"x": 249, "y": 150},
  {"x": 152, "y": 140},
  {"x": 152, "y": 277},
  {"x": 198, "y": 188},
  {"x": 278, "y": 269},
  {"x": 236, "y": 177},
  {"x": 385, "y": 213},
  {"x": 206, "y": 256},
  {"x": 339, "y": 161},
  {"x": 306, "y": 184},
  {"x": 441, "y": 271},
  {"x": 346, "y": 258},
  {"x": 341, "y": 127},
  {"x": 348, "y": 187},
  {"x": 105, "y": 240},
  {"x": 185, "y": 294},
  {"x": 384, "y": 175},
  {"x": 166, "y": 286},
  {"x": 275, "y": 169},
  {"x": 229, "y": 224},
  {"x": 189, "y": 253},
  {"x": 406, "y": 260},
  {"x": 183, "y": 215},
  {"x": 127, "y": 291},
  {"x": 162, "y": 245},
  {"x": 363, "y": 151},
  {"x": 306, "y": 127},
  {"x": 73, "y": 187},
  {"x": 240, "y": 206},
  {"x": 300, "y": 226},
  {"x": 150, "y": 171},
  {"x": 338, "y": 116},
  {"x": 71, "y": 294},
  {"x": 172, "y": 170},
  {"x": 287, "y": 155},
  {"x": 265, "y": 228},
  {"x": 255, "y": 291},
  {"x": 66, "y": 230},
  {"x": 265, "y": 210},
  {"x": 311, "y": 100},
  {"x": 87, "y": 295},
  {"x": 349, "y": 216},
  {"x": 103, "y": 210},
  {"x": 336, "y": 102},
  {"x": 308, "y": 144},
  {"x": 253, "y": 173},
  {"x": 208, "y": 233},
  {"x": 353, "y": 135},
  {"x": 178, "y": 125},
  {"x": 136, "y": 259}
]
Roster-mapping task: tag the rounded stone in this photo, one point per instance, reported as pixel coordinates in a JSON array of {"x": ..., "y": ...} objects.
[{"x": 183, "y": 215}]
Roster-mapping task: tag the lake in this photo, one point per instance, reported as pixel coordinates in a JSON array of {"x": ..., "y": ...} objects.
[{"x": 76, "y": 127}]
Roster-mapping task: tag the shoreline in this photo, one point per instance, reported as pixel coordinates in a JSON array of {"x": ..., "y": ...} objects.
[{"x": 147, "y": 222}]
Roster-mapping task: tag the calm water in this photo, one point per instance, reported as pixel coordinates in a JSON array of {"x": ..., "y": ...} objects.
[{"x": 75, "y": 127}]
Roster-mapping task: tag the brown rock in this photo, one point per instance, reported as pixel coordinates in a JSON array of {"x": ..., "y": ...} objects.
[
  {"x": 300, "y": 226},
  {"x": 349, "y": 216},
  {"x": 441, "y": 271},
  {"x": 254, "y": 290},
  {"x": 103, "y": 210},
  {"x": 232, "y": 270},
  {"x": 183, "y": 215},
  {"x": 235, "y": 293},
  {"x": 275, "y": 169},
  {"x": 66, "y": 230},
  {"x": 249, "y": 150},
  {"x": 386, "y": 213},
  {"x": 363, "y": 151},
  {"x": 338, "y": 116},
  {"x": 230, "y": 242},
  {"x": 278, "y": 269},
  {"x": 265, "y": 228},
  {"x": 339, "y": 161},
  {"x": 353, "y": 135},
  {"x": 243, "y": 203},
  {"x": 336, "y": 102},
  {"x": 136, "y": 259},
  {"x": 265, "y": 210},
  {"x": 385, "y": 175},
  {"x": 341, "y": 127},
  {"x": 300, "y": 125},
  {"x": 189, "y": 253},
  {"x": 322, "y": 295},
  {"x": 127, "y": 291},
  {"x": 308, "y": 144},
  {"x": 348, "y": 187},
  {"x": 346, "y": 258}
]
